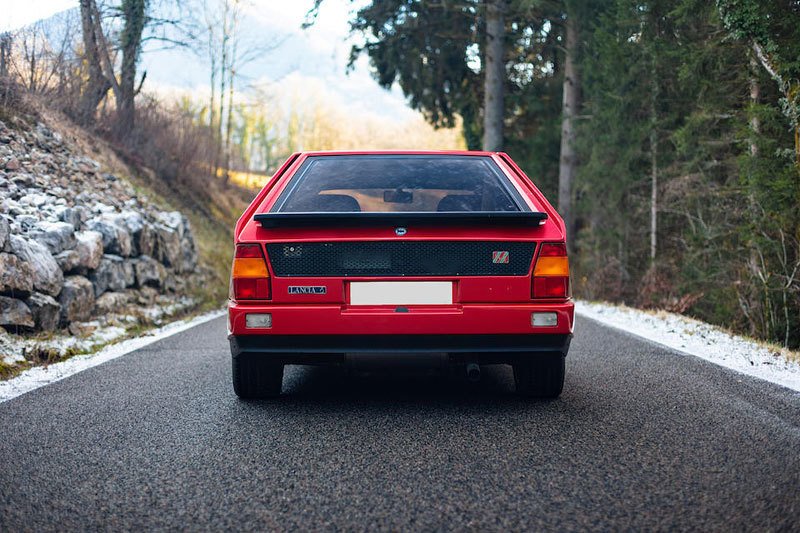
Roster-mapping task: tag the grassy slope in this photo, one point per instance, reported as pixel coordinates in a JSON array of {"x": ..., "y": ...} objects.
[{"x": 211, "y": 207}]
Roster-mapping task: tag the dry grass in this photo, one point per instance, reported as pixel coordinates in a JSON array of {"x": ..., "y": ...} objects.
[{"x": 211, "y": 205}]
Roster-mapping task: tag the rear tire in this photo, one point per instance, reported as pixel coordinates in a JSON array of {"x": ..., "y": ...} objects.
[
  {"x": 254, "y": 378},
  {"x": 541, "y": 376}
]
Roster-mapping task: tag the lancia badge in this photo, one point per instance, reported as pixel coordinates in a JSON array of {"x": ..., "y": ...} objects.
[{"x": 306, "y": 289}]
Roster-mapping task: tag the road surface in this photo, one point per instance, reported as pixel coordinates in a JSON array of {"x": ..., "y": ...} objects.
[{"x": 642, "y": 438}]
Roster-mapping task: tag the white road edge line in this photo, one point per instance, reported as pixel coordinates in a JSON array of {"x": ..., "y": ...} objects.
[
  {"x": 696, "y": 338},
  {"x": 39, "y": 376},
  {"x": 679, "y": 333}
]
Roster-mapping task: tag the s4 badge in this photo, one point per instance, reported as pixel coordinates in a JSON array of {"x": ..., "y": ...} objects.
[{"x": 500, "y": 257}]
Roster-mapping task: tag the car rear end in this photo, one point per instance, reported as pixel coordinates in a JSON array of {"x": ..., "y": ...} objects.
[{"x": 360, "y": 256}]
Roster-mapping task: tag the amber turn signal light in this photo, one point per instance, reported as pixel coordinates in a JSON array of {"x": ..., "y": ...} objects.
[
  {"x": 249, "y": 273},
  {"x": 551, "y": 274}
]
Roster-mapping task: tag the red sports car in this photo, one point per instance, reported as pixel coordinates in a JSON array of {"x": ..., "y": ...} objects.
[{"x": 365, "y": 256}]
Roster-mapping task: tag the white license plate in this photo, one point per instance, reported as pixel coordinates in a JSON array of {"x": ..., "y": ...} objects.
[{"x": 401, "y": 293}]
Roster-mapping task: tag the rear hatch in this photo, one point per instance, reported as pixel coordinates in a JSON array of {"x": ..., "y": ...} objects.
[
  {"x": 478, "y": 266},
  {"x": 401, "y": 229}
]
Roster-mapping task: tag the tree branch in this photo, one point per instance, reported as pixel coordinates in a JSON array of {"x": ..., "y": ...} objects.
[
  {"x": 105, "y": 59},
  {"x": 767, "y": 64}
]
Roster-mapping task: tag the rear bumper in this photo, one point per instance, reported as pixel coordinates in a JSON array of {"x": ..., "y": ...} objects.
[
  {"x": 320, "y": 334},
  {"x": 466, "y": 319},
  {"x": 336, "y": 349}
]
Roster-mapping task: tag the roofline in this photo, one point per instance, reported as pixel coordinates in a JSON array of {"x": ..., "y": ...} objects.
[{"x": 399, "y": 152}]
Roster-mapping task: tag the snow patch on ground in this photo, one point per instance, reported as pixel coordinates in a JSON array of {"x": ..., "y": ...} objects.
[
  {"x": 40, "y": 376},
  {"x": 699, "y": 339},
  {"x": 87, "y": 336}
]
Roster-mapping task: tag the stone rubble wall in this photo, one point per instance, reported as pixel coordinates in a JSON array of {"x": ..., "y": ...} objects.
[{"x": 77, "y": 242}]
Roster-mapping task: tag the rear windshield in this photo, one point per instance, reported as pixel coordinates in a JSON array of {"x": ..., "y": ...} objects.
[{"x": 402, "y": 183}]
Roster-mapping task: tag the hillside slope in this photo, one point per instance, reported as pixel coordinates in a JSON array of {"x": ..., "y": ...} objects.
[{"x": 88, "y": 242}]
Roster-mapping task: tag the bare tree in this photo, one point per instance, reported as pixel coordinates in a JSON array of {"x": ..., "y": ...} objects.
[
  {"x": 495, "y": 75},
  {"x": 134, "y": 17},
  {"x": 228, "y": 50},
  {"x": 98, "y": 85},
  {"x": 5, "y": 53},
  {"x": 569, "y": 109},
  {"x": 232, "y": 64}
]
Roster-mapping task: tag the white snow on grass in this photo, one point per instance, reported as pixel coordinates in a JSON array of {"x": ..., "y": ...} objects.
[
  {"x": 699, "y": 339},
  {"x": 40, "y": 376},
  {"x": 674, "y": 331}
]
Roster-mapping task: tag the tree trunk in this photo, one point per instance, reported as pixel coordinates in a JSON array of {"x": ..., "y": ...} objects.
[
  {"x": 495, "y": 76},
  {"x": 5, "y": 53},
  {"x": 222, "y": 81},
  {"x": 653, "y": 161},
  {"x": 231, "y": 75},
  {"x": 133, "y": 13},
  {"x": 103, "y": 53},
  {"x": 98, "y": 85},
  {"x": 212, "y": 60},
  {"x": 755, "y": 95},
  {"x": 570, "y": 102},
  {"x": 212, "y": 112}
]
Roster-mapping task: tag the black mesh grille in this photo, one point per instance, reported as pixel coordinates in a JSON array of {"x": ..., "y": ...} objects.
[{"x": 401, "y": 258}]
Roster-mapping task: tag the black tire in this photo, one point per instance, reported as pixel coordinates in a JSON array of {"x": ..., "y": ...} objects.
[
  {"x": 541, "y": 376},
  {"x": 254, "y": 378}
]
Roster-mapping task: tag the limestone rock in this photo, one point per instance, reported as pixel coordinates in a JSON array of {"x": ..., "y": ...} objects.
[
  {"x": 134, "y": 223},
  {"x": 76, "y": 299},
  {"x": 146, "y": 240},
  {"x": 174, "y": 220},
  {"x": 47, "y": 276},
  {"x": 149, "y": 272},
  {"x": 116, "y": 238},
  {"x": 5, "y": 231},
  {"x": 168, "y": 245},
  {"x": 75, "y": 216},
  {"x": 68, "y": 261},
  {"x": 90, "y": 248},
  {"x": 112, "y": 302},
  {"x": 15, "y": 313},
  {"x": 16, "y": 276},
  {"x": 46, "y": 311},
  {"x": 57, "y": 236},
  {"x": 188, "y": 260},
  {"x": 113, "y": 274}
]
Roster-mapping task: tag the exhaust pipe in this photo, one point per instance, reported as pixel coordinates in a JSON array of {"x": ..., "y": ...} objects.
[{"x": 473, "y": 372}]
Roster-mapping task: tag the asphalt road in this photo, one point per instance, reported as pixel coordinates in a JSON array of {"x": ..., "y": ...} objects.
[{"x": 642, "y": 438}]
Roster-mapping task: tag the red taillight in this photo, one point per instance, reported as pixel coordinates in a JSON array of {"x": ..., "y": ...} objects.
[
  {"x": 251, "y": 251},
  {"x": 551, "y": 274},
  {"x": 249, "y": 275},
  {"x": 553, "y": 249}
]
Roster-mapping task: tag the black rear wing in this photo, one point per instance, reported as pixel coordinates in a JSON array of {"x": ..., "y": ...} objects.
[{"x": 372, "y": 219}]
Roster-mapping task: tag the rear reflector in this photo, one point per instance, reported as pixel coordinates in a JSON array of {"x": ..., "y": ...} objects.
[
  {"x": 258, "y": 320},
  {"x": 544, "y": 319},
  {"x": 249, "y": 273},
  {"x": 551, "y": 274}
]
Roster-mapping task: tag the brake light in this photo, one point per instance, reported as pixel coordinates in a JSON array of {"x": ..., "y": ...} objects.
[
  {"x": 551, "y": 274},
  {"x": 249, "y": 275}
]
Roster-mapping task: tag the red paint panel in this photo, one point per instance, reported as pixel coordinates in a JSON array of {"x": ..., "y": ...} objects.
[{"x": 465, "y": 319}]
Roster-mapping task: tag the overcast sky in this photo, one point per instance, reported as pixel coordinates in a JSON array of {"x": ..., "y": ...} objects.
[{"x": 317, "y": 56}]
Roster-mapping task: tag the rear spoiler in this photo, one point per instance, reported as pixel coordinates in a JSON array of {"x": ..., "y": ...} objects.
[{"x": 461, "y": 218}]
